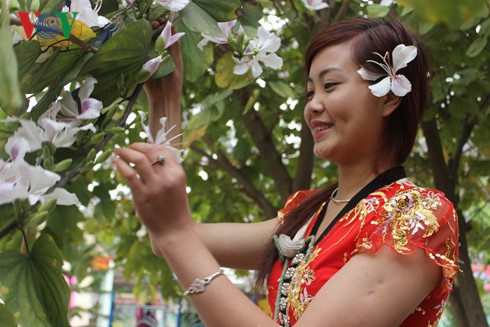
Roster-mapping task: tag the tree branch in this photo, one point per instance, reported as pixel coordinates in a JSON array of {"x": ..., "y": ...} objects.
[
  {"x": 342, "y": 11},
  {"x": 267, "y": 150},
  {"x": 304, "y": 169},
  {"x": 248, "y": 187}
]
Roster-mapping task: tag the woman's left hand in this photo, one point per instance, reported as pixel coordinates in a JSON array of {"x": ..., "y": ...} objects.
[{"x": 159, "y": 189}]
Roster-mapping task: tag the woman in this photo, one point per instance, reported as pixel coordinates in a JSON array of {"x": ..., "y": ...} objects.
[{"x": 371, "y": 250}]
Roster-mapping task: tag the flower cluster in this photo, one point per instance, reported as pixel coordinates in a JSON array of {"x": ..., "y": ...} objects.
[
  {"x": 19, "y": 179},
  {"x": 248, "y": 54},
  {"x": 397, "y": 83}
]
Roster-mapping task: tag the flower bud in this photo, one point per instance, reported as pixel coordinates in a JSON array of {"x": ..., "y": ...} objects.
[
  {"x": 34, "y": 5},
  {"x": 159, "y": 44}
]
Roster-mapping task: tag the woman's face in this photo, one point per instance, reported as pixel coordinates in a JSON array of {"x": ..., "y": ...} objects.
[{"x": 345, "y": 118}]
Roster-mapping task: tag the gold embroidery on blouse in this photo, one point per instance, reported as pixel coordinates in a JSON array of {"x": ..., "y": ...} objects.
[
  {"x": 298, "y": 296},
  {"x": 406, "y": 213}
]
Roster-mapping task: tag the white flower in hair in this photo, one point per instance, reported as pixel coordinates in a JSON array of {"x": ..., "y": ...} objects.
[{"x": 398, "y": 84}]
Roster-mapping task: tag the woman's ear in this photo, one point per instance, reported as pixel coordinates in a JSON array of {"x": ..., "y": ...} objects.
[{"x": 391, "y": 103}]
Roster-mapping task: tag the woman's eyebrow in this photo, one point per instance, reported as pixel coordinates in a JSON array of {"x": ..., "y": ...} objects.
[{"x": 324, "y": 72}]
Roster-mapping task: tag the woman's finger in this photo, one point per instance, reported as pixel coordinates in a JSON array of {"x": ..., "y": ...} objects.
[
  {"x": 153, "y": 151},
  {"x": 128, "y": 173},
  {"x": 141, "y": 161}
]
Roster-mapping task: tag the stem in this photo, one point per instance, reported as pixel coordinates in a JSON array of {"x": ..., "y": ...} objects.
[{"x": 25, "y": 241}]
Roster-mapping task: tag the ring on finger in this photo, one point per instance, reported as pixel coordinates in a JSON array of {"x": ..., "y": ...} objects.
[{"x": 159, "y": 160}]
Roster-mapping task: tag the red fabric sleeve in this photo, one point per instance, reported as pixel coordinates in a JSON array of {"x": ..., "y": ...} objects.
[
  {"x": 411, "y": 219},
  {"x": 292, "y": 201}
]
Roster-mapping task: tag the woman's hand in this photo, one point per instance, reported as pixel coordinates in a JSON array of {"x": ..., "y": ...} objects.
[{"x": 159, "y": 189}]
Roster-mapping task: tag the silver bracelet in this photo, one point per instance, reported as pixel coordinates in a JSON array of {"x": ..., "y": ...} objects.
[{"x": 199, "y": 285}]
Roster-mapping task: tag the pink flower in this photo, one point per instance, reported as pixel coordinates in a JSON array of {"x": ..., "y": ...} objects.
[
  {"x": 152, "y": 65},
  {"x": 168, "y": 37}
]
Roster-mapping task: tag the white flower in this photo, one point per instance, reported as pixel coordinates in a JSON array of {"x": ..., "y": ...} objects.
[
  {"x": 90, "y": 107},
  {"x": 226, "y": 28},
  {"x": 173, "y": 5},
  {"x": 168, "y": 37},
  {"x": 86, "y": 14},
  {"x": 19, "y": 180},
  {"x": 260, "y": 49},
  {"x": 30, "y": 136},
  {"x": 398, "y": 84},
  {"x": 161, "y": 137},
  {"x": 386, "y": 3},
  {"x": 315, "y": 4}
]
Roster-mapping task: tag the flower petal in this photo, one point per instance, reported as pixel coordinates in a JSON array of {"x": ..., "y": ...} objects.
[
  {"x": 87, "y": 88},
  {"x": 401, "y": 85},
  {"x": 402, "y": 55},
  {"x": 64, "y": 197},
  {"x": 315, "y": 4},
  {"x": 152, "y": 65},
  {"x": 368, "y": 75},
  {"x": 90, "y": 109},
  {"x": 256, "y": 68},
  {"x": 381, "y": 88},
  {"x": 16, "y": 147},
  {"x": 68, "y": 105},
  {"x": 272, "y": 60},
  {"x": 241, "y": 67}
]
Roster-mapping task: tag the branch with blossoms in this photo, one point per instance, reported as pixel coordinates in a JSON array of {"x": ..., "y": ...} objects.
[{"x": 248, "y": 54}]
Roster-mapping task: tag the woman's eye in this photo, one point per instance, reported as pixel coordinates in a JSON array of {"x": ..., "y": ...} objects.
[
  {"x": 309, "y": 94},
  {"x": 329, "y": 85}
]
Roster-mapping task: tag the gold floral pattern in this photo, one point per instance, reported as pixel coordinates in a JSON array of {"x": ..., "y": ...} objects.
[{"x": 298, "y": 296}]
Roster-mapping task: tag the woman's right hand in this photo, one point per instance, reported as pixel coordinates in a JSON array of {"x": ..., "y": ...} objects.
[{"x": 159, "y": 191}]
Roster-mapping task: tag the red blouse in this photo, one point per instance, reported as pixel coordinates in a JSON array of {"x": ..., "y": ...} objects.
[{"x": 400, "y": 215}]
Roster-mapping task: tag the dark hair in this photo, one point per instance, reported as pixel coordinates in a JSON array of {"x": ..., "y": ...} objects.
[{"x": 369, "y": 35}]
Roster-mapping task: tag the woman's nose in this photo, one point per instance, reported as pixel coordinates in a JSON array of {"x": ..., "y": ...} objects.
[{"x": 315, "y": 104}]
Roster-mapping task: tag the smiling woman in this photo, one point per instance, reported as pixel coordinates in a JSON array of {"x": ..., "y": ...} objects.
[{"x": 373, "y": 241}]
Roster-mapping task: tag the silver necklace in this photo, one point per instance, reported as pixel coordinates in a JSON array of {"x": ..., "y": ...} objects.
[{"x": 334, "y": 193}]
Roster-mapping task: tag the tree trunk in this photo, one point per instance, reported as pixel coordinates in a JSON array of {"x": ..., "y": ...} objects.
[{"x": 465, "y": 300}]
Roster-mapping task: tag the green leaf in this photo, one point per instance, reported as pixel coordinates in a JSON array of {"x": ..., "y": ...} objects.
[
  {"x": 377, "y": 11},
  {"x": 7, "y": 319},
  {"x": 195, "y": 61},
  {"x": 282, "y": 89},
  {"x": 26, "y": 52},
  {"x": 38, "y": 76},
  {"x": 197, "y": 20},
  {"x": 10, "y": 96},
  {"x": 212, "y": 110},
  {"x": 225, "y": 78},
  {"x": 250, "y": 15},
  {"x": 453, "y": 13},
  {"x": 124, "y": 53},
  {"x": 49, "y": 6},
  {"x": 476, "y": 47},
  {"x": 220, "y": 10},
  {"x": 33, "y": 287},
  {"x": 62, "y": 225},
  {"x": 54, "y": 91}
]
